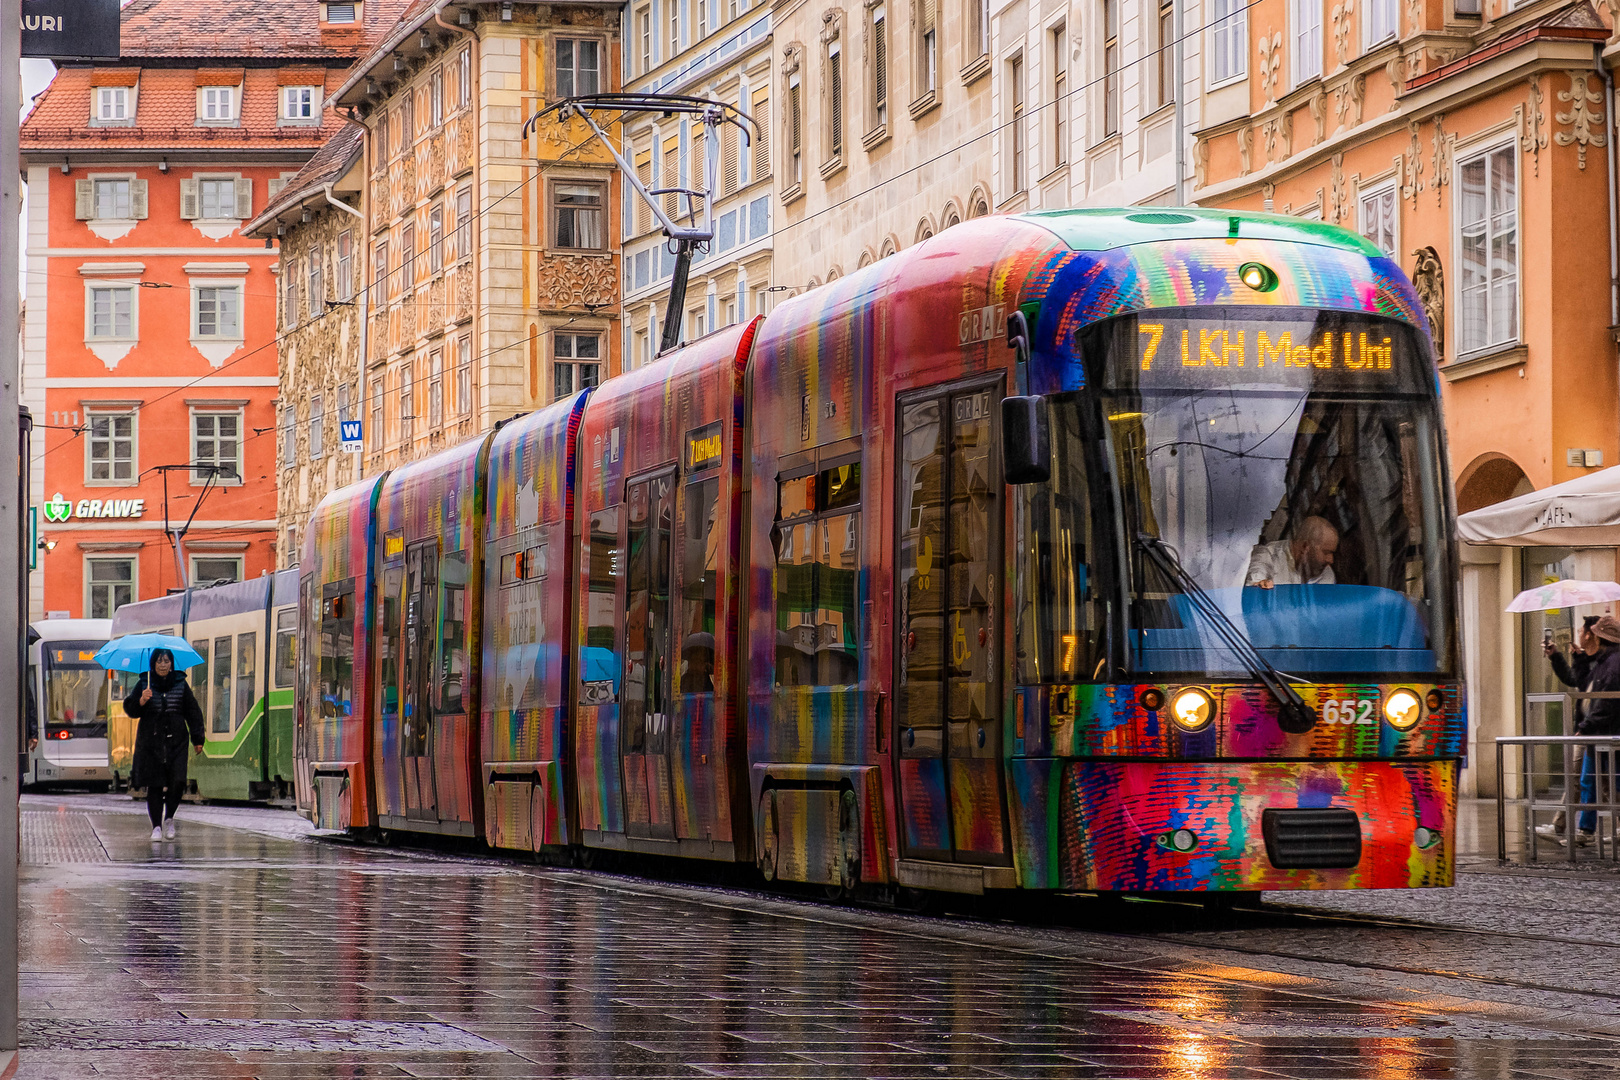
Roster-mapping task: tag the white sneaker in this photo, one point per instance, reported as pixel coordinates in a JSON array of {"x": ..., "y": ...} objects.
[
  {"x": 1582, "y": 838},
  {"x": 157, "y": 833},
  {"x": 1550, "y": 832},
  {"x": 168, "y": 829}
]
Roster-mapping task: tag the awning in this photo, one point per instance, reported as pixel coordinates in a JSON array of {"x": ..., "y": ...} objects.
[{"x": 1584, "y": 512}]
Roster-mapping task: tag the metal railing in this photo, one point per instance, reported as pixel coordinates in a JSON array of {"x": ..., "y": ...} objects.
[{"x": 1538, "y": 793}]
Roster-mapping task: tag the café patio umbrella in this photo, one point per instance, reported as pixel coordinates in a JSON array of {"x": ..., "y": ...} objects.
[{"x": 1563, "y": 594}]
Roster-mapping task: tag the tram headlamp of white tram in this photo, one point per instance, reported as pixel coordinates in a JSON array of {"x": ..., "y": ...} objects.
[
  {"x": 1192, "y": 709},
  {"x": 1403, "y": 710}
]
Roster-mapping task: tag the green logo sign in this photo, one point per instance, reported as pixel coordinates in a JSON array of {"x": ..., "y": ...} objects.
[{"x": 58, "y": 509}]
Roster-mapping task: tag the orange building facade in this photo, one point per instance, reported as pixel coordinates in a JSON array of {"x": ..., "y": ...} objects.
[
  {"x": 150, "y": 351},
  {"x": 1473, "y": 141}
]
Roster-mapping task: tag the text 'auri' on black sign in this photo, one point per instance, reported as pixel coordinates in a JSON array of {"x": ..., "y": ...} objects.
[{"x": 70, "y": 29}]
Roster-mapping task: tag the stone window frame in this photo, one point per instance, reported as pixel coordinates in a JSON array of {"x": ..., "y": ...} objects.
[
  {"x": 131, "y": 557},
  {"x": 134, "y": 335},
  {"x": 233, "y": 106},
  {"x": 553, "y": 184},
  {"x": 127, "y": 105},
  {"x": 602, "y": 54},
  {"x": 217, "y": 410},
  {"x": 112, "y": 411},
  {"x": 1486, "y": 147}
]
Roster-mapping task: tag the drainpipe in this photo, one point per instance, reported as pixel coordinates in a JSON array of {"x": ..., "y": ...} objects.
[
  {"x": 1614, "y": 226},
  {"x": 438, "y": 13}
]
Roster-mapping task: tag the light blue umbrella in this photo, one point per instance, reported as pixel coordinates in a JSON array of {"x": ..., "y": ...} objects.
[{"x": 133, "y": 652}]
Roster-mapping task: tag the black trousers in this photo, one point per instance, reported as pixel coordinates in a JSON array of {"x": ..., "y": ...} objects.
[{"x": 166, "y": 784}]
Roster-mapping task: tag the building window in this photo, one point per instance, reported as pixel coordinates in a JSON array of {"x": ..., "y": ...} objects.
[
  {"x": 760, "y": 111},
  {"x": 407, "y": 256},
  {"x": 343, "y": 404},
  {"x": 435, "y": 239},
  {"x": 795, "y": 126},
  {"x": 1307, "y": 40},
  {"x": 1379, "y": 213},
  {"x": 111, "y": 586},
  {"x": 110, "y": 448},
  {"x": 702, "y": 19},
  {"x": 1167, "y": 52},
  {"x": 317, "y": 286},
  {"x": 300, "y": 102},
  {"x": 1110, "y": 67},
  {"x": 576, "y": 362},
  {"x": 1015, "y": 77},
  {"x": 578, "y": 67},
  {"x": 1231, "y": 28},
  {"x": 579, "y": 217},
  {"x": 216, "y": 104},
  {"x": 289, "y": 436},
  {"x": 213, "y": 569},
  {"x": 112, "y": 106},
  {"x": 340, "y": 12},
  {"x": 379, "y": 282},
  {"x": 345, "y": 265},
  {"x": 289, "y": 296},
  {"x": 376, "y": 413},
  {"x": 219, "y": 311},
  {"x": 463, "y": 244},
  {"x": 463, "y": 375},
  {"x": 835, "y": 95},
  {"x": 644, "y": 36},
  {"x": 1489, "y": 233},
  {"x": 436, "y": 97},
  {"x": 216, "y": 440},
  {"x": 1060, "y": 97},
  {"x": 464, "y": 80},
  {"x": 435, "y": 389},
  {"x": 317, "y": 427},
  {"x": 979, "y": 28},
  {"x": 928, "y": 48},
  {"x": 111, "y": 312},
  {"x": 880, "y": 67},
  {"x": 1381, "y": 19},
  {"x": 218, "y": 198},
  {"x": 112, "y": 200}
]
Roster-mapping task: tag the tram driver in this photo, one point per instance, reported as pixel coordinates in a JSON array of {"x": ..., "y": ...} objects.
[{"x": 1307, "y": 559}]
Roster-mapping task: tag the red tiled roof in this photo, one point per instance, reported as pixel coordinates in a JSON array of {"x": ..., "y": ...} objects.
[
  {"x": 166, "y": 115},
  {"x": 329, "y": 164},
  {"x": 219, "y": 76},
  {"x": 1579, "y": 22},
  {"x": 250, "y": 29},
  {"x": 120, "y": 76}
]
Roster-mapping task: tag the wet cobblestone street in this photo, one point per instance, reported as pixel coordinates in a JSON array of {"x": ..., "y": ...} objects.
[{"x": 248, "y": 948}]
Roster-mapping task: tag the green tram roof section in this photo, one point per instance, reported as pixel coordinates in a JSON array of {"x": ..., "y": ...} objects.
[{"x": 1101, "y": 229}]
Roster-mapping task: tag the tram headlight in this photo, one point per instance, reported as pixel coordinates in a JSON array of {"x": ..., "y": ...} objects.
[
  {"x": 1192, "y": 710},
  {"x": 1403, "y": 710},
  {"x": 1258, "y": 276}
]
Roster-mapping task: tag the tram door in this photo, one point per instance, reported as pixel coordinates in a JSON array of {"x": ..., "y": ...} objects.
[
  {"x": 948, "y": 562},
  {"x": 648, "y": 664},
  {"x": 416, "y": 691}
]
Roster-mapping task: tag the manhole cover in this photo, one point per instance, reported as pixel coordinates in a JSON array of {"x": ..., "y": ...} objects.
[
  {"x": 274, "y": 1036},
  {"x": 58, "y": 837}
]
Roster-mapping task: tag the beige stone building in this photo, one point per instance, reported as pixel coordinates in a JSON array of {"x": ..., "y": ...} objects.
[{"x": 720, "y": 51}]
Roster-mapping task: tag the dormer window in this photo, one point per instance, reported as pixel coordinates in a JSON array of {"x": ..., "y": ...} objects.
[
  {"x": 112, "y": 105},
  {"x": 340, "y": 13},
  {"x": 300, "y": 104},
  {"x": 216, "y": 104}
]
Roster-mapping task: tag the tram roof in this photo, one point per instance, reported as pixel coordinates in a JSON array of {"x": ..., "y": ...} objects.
[{"x": 1115, "y": 227}]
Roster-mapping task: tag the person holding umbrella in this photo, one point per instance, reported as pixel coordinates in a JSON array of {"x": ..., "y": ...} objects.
[{"x": 169, "y": 715}]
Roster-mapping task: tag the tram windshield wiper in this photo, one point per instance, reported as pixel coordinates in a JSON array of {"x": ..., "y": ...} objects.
[{"x": 1295, "y": 716}]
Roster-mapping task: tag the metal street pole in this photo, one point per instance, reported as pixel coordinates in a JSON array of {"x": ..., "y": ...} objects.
[
  {"x": 11, "y": 497},
  {"x": 1181, "y": 92}
]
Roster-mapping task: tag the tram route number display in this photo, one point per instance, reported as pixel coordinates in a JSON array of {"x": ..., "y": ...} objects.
[{"x": 1231, "y": 347}]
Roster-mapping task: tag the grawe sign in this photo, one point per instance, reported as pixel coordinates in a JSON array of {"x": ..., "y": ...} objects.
[
  {"x": 70, "y": 29},
  {"x": 58, "y": 509}
]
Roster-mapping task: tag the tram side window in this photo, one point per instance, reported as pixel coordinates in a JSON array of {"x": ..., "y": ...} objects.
[
  {"x": 817, "y": 565},
  {"x": 247, "y": 664},
  {"x": 286, "y": 647},
  {"x": 599, "y": 668},
  {"x": 452, "y": 631},
  {"x": 699, "y": 581},
  {"x": 1060, "y": 616},
  {"x": 388, "y": 645},
  {"x": 337, "y": 656},
  {"x": 221, "y": 701},
  {"x": 198, "y": 675}
]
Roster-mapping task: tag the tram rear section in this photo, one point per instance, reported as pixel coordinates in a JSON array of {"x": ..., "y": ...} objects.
[{"x": 940, "y": 576}]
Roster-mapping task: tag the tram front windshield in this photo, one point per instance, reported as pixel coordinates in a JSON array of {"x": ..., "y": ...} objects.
[
  {"x": 76, "y": 691},
  {"x": 1278, "y": 470}
]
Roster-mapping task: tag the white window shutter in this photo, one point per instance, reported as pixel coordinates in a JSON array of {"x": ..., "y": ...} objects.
[
  {"x": 188, "y": 200},
  {"x": 137, "y": 199},
  {"x": 244, "y": 198},
  {"x": 275, "y": 184},
  {"x": 84, "y": 200}
]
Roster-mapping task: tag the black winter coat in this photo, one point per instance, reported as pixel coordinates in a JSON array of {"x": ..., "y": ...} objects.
[
  {"x": 1603, "y": 716},
  {"x": 171, "y": 723}
]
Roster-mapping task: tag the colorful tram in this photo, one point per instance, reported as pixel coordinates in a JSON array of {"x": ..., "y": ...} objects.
[
  {"x": 1158, "y": 597},
  {"x": 246, "y": 634}
]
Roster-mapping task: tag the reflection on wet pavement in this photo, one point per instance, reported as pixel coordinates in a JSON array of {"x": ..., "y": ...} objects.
[{"x": 230, "y": 953}]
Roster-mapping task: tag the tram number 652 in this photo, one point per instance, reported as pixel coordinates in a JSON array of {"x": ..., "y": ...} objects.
[{"x": 1348, "y": 710}]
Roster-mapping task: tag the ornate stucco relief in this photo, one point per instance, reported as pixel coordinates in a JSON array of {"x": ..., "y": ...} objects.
[{"x": 1585, "y": 123}]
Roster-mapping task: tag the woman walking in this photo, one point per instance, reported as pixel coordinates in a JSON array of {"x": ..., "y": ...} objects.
[{"x": 169, "y": 715}]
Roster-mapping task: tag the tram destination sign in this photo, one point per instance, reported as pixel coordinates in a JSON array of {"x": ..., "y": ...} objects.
[
  {"x": 70, "y": 29},
  {"x": 1237, "y": 348}
]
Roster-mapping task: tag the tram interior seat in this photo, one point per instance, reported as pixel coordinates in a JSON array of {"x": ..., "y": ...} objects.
[{"x": 1298, "y": 628}]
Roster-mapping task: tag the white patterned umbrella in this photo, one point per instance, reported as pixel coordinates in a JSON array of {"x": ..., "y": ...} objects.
[{"x": 1562, "y": 594}]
